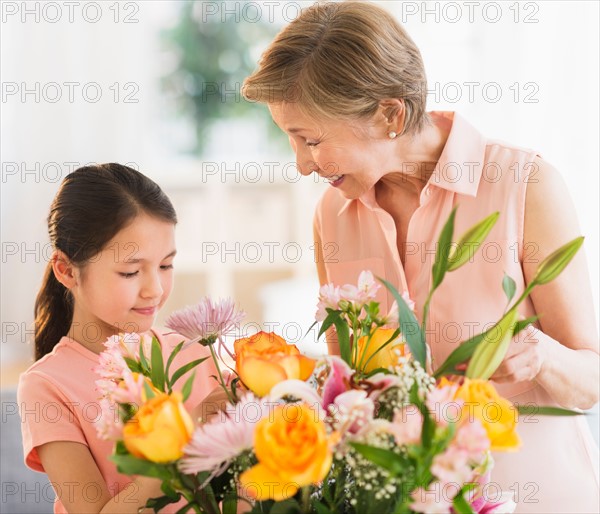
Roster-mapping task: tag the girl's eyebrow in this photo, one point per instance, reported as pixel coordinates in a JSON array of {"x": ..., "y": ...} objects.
[{"x": 136, "y": 261}]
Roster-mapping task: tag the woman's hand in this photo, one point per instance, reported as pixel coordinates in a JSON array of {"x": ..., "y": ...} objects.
[{"x": 525, "y": 358}]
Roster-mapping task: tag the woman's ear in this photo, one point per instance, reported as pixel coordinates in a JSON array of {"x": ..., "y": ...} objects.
[
  {"x": 63, "y": 269},
  {"x": 393, "y": 112}
]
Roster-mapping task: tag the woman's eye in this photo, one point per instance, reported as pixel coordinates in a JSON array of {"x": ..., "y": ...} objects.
[
  {"x": 311, "y": 144},
  {"x": 129, "y": 275},
  {"x": 166, "y": 266}
]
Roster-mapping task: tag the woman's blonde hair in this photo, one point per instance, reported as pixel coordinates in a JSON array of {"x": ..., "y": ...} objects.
[{"x": 338, "y": 61}]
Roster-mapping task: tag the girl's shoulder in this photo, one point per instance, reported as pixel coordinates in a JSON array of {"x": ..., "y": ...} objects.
[
  {"x": 66, "y": 372},
  {"x": 63, "y": 357}
]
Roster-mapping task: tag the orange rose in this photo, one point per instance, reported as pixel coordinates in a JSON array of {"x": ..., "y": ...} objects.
[
  {"x": 293, "y": 451},
  {"x": 159, "y": 430},
  {"x": 497, "y": 415},
  {"x": 377, "y": 357},
  {"x": 264, "y": 360}
]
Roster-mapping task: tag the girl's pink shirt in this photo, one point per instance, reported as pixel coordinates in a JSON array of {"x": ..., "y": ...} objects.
[
  {"x": 58, "y": 401},
  {"x": 557, "y": 468}
]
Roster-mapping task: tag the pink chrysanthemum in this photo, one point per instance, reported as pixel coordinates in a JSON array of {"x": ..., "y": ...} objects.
[
  {"x": 216, "y": 444},
  {"x": 206, "y": 321}
]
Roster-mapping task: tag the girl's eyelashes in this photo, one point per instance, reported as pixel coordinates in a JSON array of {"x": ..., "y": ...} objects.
[
  {"x": 163, "y": 267},
  {"x": 129, "y": 275}
]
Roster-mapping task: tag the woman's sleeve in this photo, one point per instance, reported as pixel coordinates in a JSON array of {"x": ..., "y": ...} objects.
[{"x": 46, "y": 416}]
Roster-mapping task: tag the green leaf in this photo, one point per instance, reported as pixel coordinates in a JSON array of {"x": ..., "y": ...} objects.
[
  {"x": 148, "y": 390},
  {"x": 428, "y": 429},
  {"x": 334, "y": 317},
  {"x": 289, "y": 506},
  {"x": 130, "y": 465},
  {"x": 169, "y": 491},
  {"x": 470, "y": 242},
  {"x": 187, "y": 387},
  {"x": 509, "y": 286},
  {"x": 547, "y": 411},
  {"x": 185, "y": 509},
  {"x": 409, "y": 326},
  {"x": 157, "y": 373},
  {"x": 343, "y": 337},
  {"x": 384, "y": 458},
  {"x": 174, "y": 353},
  {"x": 385, "y": 371},
  {"x": 460, "y": 355},
  {"x": 230, "y": 503},
  {"x": 162, "y": 501},
  {"x": 133, "y": 365},
  {"x": 440, "y": 266},
  {"x": 207, "y": 498},
  {"x": 322, "y": 509},
  {"x": 461, "y": 505},
  {"x": 144, "y": 361},
  {"x": 557, "y": 261},
  {"x": 185, "y": 368},
  {"x": 309, "y": 329},
  {"x": 328, "y": 321},
  {"x": 492, "y": 350},
  {"x": 522, "y": 324}
]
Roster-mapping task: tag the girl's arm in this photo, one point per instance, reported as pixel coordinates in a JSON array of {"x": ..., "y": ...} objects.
[
  {"x": 74, "y": 473},
  {"x": 563, "y": 356}
]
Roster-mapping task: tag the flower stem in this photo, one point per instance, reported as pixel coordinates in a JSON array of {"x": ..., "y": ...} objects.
[
  {"x": 306, "y": 499},
  {"x": 221, "y": 381}
]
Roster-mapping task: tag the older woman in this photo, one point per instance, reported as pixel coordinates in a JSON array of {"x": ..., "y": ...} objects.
[{"x": 347, "y": 84}]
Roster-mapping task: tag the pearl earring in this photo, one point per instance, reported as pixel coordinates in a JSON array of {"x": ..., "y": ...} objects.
[{"x": 392, "y": 135}]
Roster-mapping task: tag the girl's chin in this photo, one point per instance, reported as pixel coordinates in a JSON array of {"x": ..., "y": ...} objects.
[{"x": 137, "y": 325}]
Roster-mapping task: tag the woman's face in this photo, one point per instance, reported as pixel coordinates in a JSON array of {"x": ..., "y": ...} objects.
[{"x": 351, "y": 157}]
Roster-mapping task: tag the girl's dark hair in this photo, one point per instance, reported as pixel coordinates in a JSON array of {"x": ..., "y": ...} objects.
[{"x": 92, "y": 205}]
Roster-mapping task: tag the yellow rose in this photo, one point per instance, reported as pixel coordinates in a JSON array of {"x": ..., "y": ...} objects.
[
  {"x": 159, "y": 430},
  {"x": 293, "y": 451},
  {"x": 264, "y": 360},
  {"x": 388, "y": 356},
  {"x": 497, "y": 415}
]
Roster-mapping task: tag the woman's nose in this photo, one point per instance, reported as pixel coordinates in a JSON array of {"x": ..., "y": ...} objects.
[{"x": 304, "y": 161}]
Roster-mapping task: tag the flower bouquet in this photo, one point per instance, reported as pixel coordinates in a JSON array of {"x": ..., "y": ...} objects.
[{"x": 369, "y": 431}]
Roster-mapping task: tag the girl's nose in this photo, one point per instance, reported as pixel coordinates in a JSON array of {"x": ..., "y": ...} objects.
[{"x": 152, "y": 286}]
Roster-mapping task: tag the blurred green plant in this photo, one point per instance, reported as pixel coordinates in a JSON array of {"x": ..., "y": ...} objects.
[{"x": 214, "y": 55}]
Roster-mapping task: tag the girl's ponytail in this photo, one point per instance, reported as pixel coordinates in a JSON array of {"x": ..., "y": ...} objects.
[
  {"x": 92, "y": 205},
  {"x": 53, "y": 313}
]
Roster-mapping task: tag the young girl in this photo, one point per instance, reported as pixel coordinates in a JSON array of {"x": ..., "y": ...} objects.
[{"x": 113, "y": 233}]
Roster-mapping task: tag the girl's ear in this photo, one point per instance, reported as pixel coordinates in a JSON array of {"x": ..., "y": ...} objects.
[{"x": 64, "y": 270}]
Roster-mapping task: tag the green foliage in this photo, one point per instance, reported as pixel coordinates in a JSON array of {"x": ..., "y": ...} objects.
[
  {"x": 214, "y": 55},
  {"x": 557, "y": 261},
  {"x": 409, "y": 326},
  {"x": 157, "y": 373}
]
